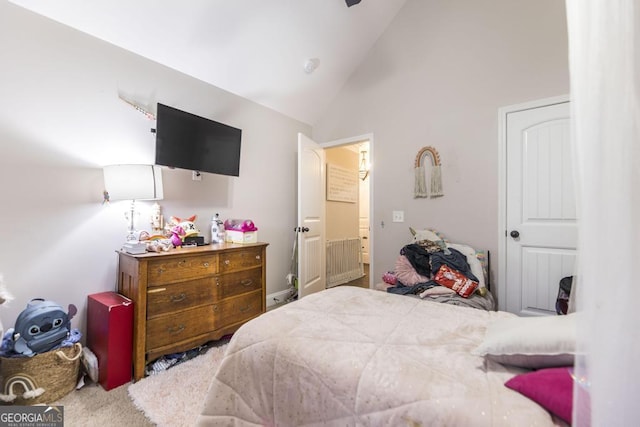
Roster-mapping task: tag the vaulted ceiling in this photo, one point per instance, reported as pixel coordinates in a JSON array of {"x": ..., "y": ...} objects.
[{"x": 263, "y": 50}]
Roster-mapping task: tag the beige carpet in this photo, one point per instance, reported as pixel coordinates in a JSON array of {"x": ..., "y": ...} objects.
[{"x": 174, "y": 398}]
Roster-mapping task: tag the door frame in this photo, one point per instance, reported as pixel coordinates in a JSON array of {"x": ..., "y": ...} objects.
[
  {"x": 350, "y": 141},
  {"x": 502, "y": 185}
]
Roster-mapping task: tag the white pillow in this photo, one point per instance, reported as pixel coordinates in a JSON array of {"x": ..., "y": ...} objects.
[
  {"x": 472, "y": 260},
  {"x": 531, "y": 342}
]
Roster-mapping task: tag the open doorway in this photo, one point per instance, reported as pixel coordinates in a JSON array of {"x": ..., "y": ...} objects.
[{"x": 348, "y": 218}]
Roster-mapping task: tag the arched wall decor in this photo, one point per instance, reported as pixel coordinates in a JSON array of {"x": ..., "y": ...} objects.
[{"x": 420, "y": 189}]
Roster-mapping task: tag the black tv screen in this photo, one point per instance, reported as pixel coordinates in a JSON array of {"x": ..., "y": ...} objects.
[{"x": 187, "y": 141}]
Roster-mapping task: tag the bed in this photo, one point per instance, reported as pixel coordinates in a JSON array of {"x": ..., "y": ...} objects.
[{"x": 352, "y": 356}]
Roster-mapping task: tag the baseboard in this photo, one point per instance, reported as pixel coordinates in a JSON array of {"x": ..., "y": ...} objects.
[{"x": 277, "y": 298}]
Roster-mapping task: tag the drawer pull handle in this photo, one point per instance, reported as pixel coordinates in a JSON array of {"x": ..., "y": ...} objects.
[
  {"x": 176, "y": 330},
  {"x": 258, "y": 257},
  {"x": 227, "y": 262},
  {"x": 205, "y": 264},
  {"x": 247, "y": 282},
  {"x": 216, "y": 308},
  {"x": 178, "y": 298},
  {"x": 160, "y": 270},
  {"x": 245, "y": 309},
  {"x": 182, "y": 263}
]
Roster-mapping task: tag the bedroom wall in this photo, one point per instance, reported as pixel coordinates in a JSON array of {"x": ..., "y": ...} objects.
[
  {"x": 437, "y": 77},
  {"x": 61, "y": 121}
]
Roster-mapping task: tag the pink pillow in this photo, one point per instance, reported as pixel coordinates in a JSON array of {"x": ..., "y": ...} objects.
[
  {"x": 406, "y": 274},
  {"x": 551, "y": 388}
]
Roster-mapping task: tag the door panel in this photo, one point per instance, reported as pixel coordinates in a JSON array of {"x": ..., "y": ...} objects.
[
  {"x": 364, "y": 208},
  {"x": 364, "y": 239},
  {"x": 311, "y": 217},
  {"x": 541, "y": 233},
  {"x": 542, "y": 271}
]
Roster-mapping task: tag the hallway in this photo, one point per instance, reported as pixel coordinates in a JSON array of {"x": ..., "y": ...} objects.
[{"x": 362, "y": 282}]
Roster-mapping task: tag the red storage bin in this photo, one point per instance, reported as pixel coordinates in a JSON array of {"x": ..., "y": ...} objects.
[{"x": 110, "y": 337}]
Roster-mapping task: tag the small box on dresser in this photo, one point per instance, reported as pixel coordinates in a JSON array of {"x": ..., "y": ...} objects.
[
  {"x": 235, "y": 236},
  {"x": 110, "y": 336}
]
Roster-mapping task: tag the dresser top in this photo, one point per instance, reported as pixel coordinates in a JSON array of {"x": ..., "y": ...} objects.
[{"x": 195, "y": 250}]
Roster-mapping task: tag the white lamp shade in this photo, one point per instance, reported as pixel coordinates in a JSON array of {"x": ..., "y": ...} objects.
[{"x": 133, "y": 182}]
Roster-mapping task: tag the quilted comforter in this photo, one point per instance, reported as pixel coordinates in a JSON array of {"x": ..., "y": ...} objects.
[{"x": 350, "y": 356}]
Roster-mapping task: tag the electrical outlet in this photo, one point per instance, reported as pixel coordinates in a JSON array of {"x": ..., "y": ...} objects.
[{"x": 397, "y": 216}]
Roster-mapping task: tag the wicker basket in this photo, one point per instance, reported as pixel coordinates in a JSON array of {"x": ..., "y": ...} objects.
[{"x": 43, "y": 378}]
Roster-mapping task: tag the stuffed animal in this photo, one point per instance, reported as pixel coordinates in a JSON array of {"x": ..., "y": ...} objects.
[
  {"x": 187, "y": 224},
  {"x": 5, "y": 296},
  {"x": 159, "y": 245},
  {"x": 177, "y": 235},
  {"x": 42, "y": 326}
]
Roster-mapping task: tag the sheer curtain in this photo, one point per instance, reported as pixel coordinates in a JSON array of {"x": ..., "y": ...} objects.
[{"x": 604, "y": 46}]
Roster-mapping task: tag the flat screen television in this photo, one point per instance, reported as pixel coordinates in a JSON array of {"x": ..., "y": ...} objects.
[{"x": 187, "y": 141}]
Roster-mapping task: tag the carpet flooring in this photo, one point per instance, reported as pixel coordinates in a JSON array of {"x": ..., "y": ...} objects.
[
  {"x": 170, "y": 398},
  {"x": 174, "y": 398},
  {"x": 93, "y": 406}
]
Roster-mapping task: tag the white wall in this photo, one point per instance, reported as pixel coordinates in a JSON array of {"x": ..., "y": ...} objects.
[
  {"x": 437, "y": 77},
  {"x": 61, "y": 121}
]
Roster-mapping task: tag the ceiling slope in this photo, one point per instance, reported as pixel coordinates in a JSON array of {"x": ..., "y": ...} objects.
[{"x": 253, "y": 48}]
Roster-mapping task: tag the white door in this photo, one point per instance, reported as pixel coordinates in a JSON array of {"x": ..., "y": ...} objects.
[
  {"x": 311, "y": 217},
  {"x": 541, "y": 228}
]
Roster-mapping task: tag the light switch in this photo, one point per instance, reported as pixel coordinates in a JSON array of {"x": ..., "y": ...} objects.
[{"x": 398, "y": 216}]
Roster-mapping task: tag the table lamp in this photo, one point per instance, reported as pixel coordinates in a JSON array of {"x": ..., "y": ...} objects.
[{"x": 133, "y": 182}]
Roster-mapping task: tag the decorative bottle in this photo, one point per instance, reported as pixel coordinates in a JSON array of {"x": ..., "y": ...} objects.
[{"x": 216, "y": 230}]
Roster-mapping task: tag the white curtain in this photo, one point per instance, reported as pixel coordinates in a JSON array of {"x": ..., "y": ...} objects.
[{"x": 604, "y": 43}]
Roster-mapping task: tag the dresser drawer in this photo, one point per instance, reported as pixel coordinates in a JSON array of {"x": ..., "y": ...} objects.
[
  {"x": 238, "y": 260},
  {"x": 238, "y": 283},
  {"x": 173, "y": 328},
  {"x": 180, "y": 296},
  {"x": 235, "y": 310},
  {"x": 163, "y": 271}
]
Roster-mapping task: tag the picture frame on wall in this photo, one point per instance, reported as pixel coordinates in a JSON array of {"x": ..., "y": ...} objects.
[{"x": 342, "y": 184}]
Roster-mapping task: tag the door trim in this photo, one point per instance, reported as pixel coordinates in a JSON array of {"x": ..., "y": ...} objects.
[
  {"x": 350, "y": 141},
  {"x": 502, "y": 185}
]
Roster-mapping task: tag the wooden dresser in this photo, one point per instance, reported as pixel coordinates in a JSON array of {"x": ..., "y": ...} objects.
[{"x": 188, "y": 296}]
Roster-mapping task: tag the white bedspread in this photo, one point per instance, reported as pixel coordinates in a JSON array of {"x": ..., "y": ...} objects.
[{"x": 350, "y": 356}]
